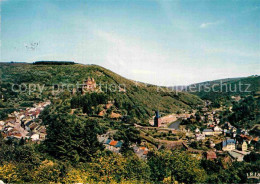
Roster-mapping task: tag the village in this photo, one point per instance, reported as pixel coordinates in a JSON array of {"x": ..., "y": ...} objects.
[
  {"x": 213, "y": 141},
  {"x": 25, "y": 124},
  {"x": 209, "y": 140}
]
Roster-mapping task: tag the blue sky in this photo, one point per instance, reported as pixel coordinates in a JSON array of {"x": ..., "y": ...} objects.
[{"x": 165, "y": 42}]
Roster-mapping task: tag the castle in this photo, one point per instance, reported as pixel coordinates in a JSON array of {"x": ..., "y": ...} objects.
[{"x": 88, "y": 85}]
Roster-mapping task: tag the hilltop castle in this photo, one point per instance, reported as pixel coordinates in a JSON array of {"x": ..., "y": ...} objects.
[{"x": 88, "y": 85}]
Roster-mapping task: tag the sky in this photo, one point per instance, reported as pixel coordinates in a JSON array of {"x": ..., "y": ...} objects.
[{"x": 163, "y": 42}]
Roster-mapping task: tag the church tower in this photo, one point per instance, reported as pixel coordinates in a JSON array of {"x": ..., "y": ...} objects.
[{"x": 157, "y": 120}]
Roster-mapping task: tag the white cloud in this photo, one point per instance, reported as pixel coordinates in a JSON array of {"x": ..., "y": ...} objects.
[
  {"x": 143, "y": 72},
  {"x": 141, "y": 61},
  {"x": 147, "y": 62},
  {"x": 207, "y": 24}
]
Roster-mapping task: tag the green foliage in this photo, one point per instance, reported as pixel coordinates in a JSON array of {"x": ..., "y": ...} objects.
[
  {"x": 139, "y": 100},
  {"x": 245, "y": 114},
  {"x": 89, "y": 102},
  {"x": 252, "y": 157},
  {"x": 71, "y": 138},
  {"x": 4, "y": 113},
  {"x": 177, "y": 165},
  {"x": 220, "y": 91}
]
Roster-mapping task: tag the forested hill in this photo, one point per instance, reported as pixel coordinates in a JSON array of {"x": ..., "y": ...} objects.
[
  {"x": 222, "y": 90},
  {"x": 138, "y": 99}
]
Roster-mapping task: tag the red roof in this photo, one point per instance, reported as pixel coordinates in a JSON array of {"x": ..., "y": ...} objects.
[
  {"x": 211, "y": 155},
  {"x": 256, "y": 139},
  {"x": 113, "y": 143}
]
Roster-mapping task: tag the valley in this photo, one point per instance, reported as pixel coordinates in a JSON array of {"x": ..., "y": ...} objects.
[{"x": 84, "y": 115}]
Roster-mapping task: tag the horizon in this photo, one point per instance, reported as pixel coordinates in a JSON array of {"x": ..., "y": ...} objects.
[
  {"x": 157, "y": 42},
  {"x": 180, "y": 85}
]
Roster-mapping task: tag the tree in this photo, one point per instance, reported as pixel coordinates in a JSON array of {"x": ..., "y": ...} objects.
[
  {"x": 252, "y": 157},
  {"x": 8, "y": 172},
  {"x": 71, "y": 138},
  {"x": 177, "y": 165},
  {"x": 157, "y": 164}
]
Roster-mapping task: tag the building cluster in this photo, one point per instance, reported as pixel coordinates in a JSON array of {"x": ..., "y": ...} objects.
[
  {"x": 141, "y": 152},
  {"x": 237, "y": 142},
  {"x": 115, "y": 146},
  {"x": 109, "y": 143},
  {"x": 25, "y": 124},
  {"x": 220, "y": 140}
]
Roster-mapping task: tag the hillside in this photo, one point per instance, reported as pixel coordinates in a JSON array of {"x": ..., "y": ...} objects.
[
  {"x": 129, "y": 97},
  {"x": 222, "y": 90}
]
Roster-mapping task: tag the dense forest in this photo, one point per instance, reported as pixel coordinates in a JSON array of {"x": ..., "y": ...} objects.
[
  {"x": 53, "y": 63},
  {"x": 221, "y": 91}
]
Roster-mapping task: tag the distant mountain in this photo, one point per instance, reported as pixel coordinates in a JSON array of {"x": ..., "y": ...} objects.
[
  {"x": 226, "y": 88},
  {"x": 129, "y": 97}
]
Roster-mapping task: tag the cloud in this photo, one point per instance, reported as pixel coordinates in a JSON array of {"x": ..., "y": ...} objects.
[
  {"x": 143, "y": 72},
  {"x": 208, "y": 24},
  {"x": 141, "y": 61}
]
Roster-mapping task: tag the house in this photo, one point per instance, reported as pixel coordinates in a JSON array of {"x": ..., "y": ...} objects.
[
  {"x": 237, "y": 155},
  {"x": 228, "y": 145},
  {"x": 107, "y": 141},
  {"x": 35, "y": 137},
  {"x": 242, "y": 146},
  {"x": 141, "y": 152},
  {"x": 114, "y": 115},
  {"x": 17, "y": 135},
  {"x": 102, "y": 138},
  {"x": 2, "y": 123},
  {"x": 211, "y": 155},
  {"x": 200, "y": 137},
  {"x": 208, "y": 132},
  {"x": 217, "y": 130},
  {"x": 197, "y": 130},
  {"x": 212, "y": 144},
  {"x": 9, "y": 124},
  {"x": 113, "y": 145},
  {"x": 43, "y": 136},
  {"x": 246, "y": 138}
]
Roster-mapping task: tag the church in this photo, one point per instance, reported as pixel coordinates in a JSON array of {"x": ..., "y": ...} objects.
[{"x": 157, "y": 119}]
